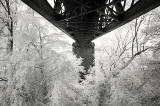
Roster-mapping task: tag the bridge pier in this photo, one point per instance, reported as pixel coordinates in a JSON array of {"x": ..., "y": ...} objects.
[{"x": 86, "y": 52}]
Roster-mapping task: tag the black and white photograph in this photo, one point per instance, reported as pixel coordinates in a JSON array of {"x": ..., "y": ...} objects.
[{"x": 79, "y": 52}]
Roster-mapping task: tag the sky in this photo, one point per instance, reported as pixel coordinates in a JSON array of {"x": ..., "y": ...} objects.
[{"x": 51, "y": 2}]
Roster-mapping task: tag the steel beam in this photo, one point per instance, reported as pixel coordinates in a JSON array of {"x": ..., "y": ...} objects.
[
  {"x": 140, "y": 8},
  {"x": 43, "y": 8}
]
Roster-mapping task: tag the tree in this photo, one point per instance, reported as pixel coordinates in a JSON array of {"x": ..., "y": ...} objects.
[
  {"x": 34, "y": 70},
  {"x": 8, "y": 20}
]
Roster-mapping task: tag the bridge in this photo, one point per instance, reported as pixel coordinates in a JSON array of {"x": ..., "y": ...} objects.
[{"x": 86, "y": 20}]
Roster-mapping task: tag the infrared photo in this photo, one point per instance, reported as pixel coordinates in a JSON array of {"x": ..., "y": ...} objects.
[{"x": 79, "y": 53}]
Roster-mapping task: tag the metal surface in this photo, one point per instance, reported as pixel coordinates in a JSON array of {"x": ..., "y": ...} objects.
[{"x": 85, "y": 20}]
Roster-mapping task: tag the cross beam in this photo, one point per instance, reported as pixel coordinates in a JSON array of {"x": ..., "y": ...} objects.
[
  {"x": 114, "y": 18},
  {"x": 142, "y": 7},
  {"x": 44, "y": 8}
]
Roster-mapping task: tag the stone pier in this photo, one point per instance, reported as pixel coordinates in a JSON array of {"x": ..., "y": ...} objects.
[{"x": 86, "y": 52}]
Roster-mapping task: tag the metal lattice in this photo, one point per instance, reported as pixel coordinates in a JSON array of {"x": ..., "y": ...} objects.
[{"x": 85, "y": 20}]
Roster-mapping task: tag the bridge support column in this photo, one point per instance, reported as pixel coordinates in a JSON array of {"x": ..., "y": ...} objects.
[{"x": 86, "y": 52}]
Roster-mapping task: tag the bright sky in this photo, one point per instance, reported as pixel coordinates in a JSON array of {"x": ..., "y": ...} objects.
[{"x": 51, "y": 2}]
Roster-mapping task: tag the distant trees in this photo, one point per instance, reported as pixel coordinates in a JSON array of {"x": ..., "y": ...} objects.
[{"x": 8, "y": 20}]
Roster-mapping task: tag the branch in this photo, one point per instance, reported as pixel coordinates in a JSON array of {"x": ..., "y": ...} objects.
[
  {"x": 3, "y": 6},
  {"x": 3, "y": 79},
  {"x": 36, "y": 48},
  {"x": 132, "y": 58},
  {"x": 142, "y": 85},
  {"x": 103, "y": 70},
  {"x": 8, "y": 7}
]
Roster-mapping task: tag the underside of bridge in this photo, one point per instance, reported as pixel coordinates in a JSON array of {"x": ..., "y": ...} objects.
[{"x": 86, "y": 20}]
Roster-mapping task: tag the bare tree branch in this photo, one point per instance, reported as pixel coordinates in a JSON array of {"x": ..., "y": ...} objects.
[
  {"x": 3, "y": 79},
  {"x": 3, "y": 6},
  {"x": 132, "y": 58}
]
